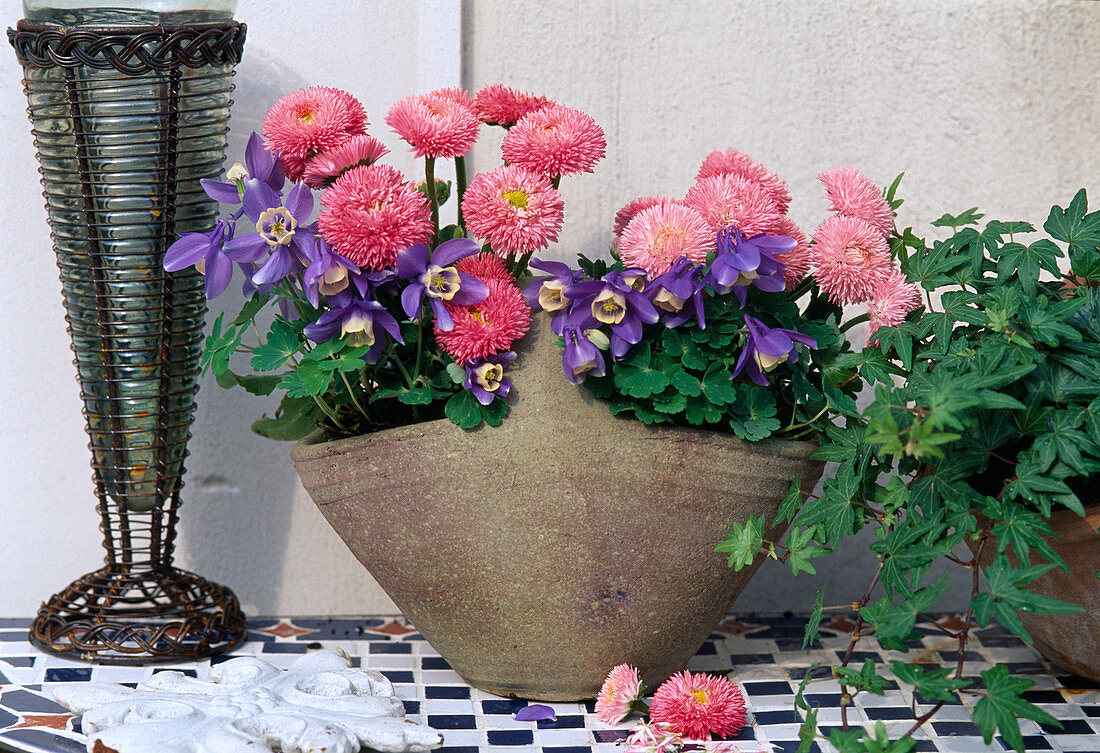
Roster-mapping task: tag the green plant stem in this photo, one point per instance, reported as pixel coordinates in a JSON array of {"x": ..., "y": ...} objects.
[
  {"x": 520, "y": 266},
  {"x": 403, "y": 370},
  {"x": 865, "y": 317},
  {"x": 460, "y": 185},
  {"x": 803, "y": 288},
  {"x": 810, "y": 422},
  {"x": 429, "y": 185},
  {"x": 419, "y": 348},
  {"x": 328, "y": 411},
  {"x": 351, "y": 393}
]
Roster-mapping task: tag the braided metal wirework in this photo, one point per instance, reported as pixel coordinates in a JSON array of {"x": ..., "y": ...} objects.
[
  {"x": 134, "y": 50},
  {"x": 121, "y": 155}
]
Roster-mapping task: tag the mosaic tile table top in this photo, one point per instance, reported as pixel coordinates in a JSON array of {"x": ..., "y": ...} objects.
[{"x": 760, "y": 653}]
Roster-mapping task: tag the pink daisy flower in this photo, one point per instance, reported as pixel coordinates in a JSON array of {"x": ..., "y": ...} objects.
[
  {"x": 555, "y": 140},
  {"x": 359, "y": 150},
  {"x": 620, "y": 690},
  {"x": 726, "y": 200},
  {"x": 496, "y": 104},
  {"x": 891, "y": 301},
  {"x": 627, "y": 213},
  {"x": 797, "y": 260},
  {"x": 516, "y": 210},
  {"x": 435, "y": 125},
  {"x": 734, "y": 162},
  {"x": 370, "y": 213},
  {"x": 485, "y": 266},
  {"x": 853, "y": 194},
  {"x": 851, "y": 258},
  {"x": 695, "y": 706},
  {"x": 486, "y": 328},
  {"x": 661, "y": 234},
  {"x": 305, "y": 123},
  {"x": 453, "y": 94},
  {"x": 652, "y": 738}
]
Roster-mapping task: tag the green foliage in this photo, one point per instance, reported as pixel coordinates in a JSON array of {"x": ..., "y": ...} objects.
[{"x": 984, "y": 420}]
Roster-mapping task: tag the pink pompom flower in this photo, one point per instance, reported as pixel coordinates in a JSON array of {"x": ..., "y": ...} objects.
[
  {"x": 554, "y": 141},
  {"x": 370, "y": 213},
  {"x": 697, "y": 706},
  {"x": 305, "y": 123},
  {"x": 435, "y": 125},
  {"x": 621, "y": 689},
  {"x": 358, "y": 151},
  {"x": 487, "y": 328},
  {"x": 796, "y": 262},
  {"x": 652, "y": 738},
  {"x": 513, "y": 208},
  {"x": 851, "y": 258},
  {"x": 485, "y": 266},
  {"x": 627, "y": 213},
  {"x": 891, "y": 301},
  {"x": 853, "y": 194},
  {"x": 734, "y": 162},
  {"x": 732, "y": 201},
  {"x": 454, "y": 94},
  {"x": 496, "y": 104},
  {"x": 663, "y": 233}
]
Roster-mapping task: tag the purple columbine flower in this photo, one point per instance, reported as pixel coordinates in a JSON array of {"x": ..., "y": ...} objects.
[
  {"x": 614, "y": 300},
  {"x": 766, "y": 348},
  {"x": 485, "y": 377},
  {"x": 329, "y": 273},
  {"x": 581, "y": 356},
  {"x": 363, "y": 322},
  {"x": 741, "y": 262},
  {"x": 259, "y": 164},
  {"x": 549, "y": 294},
  {"x": 679, "y": 292},
  {"x": 204, "y": 251},
  {"x": 280, "y": 229},
  {"x": 434, "y": 277}
]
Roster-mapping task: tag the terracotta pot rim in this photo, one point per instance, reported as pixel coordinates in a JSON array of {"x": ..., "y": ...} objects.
[{"x": 314, "y": 445}]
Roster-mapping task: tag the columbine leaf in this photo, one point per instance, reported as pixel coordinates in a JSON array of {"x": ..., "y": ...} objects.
[
  {"x": 307, "y": 380},
  {"x": 717, "y": 386},
  {"x": 456, "y": 372},
  {"x": 282, "y": 343},
  {"x": 495, "y": 412},
  {"x": 251, "y": 307},
  {"x": 416, "y": 396},
  {"x": 1002, "y": 706},
  {"x": 464, "y": 410}
]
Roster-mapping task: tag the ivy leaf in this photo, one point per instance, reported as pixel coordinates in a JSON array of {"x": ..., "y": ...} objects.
[
  {"x": 1071, "y": 225},
  {"x": 812, "y": 633},
  {"x": 1002, "y": 707},
  {"x": 791, "y": 504},
  {"x": 834, "y": 512},
  {"x": 743, "y": 542},
  {"x": 307, "y": 380},
  {"x": 464, "y": 410},
  {"x": 969, "y": 217},
  {"x": 865, "y": 679},
  {"x": 1026, "y": 261},
  {"x": 282, "y": 343},
  {"x": 894, "y": 624},
  {"x": 1006, "y": 595},
  {"x": 801, "y": 549},
  {"x": 294, "y": 419},
  {"x": 932, "y": 683}
]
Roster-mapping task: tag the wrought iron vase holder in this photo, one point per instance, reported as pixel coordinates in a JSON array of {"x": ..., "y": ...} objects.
[{"x": 126, "y": 121}]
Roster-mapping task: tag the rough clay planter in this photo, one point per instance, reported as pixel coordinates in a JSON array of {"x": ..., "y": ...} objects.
[
  {"x": 1070, "y": 640},
  {"x": 537, "y": 555}
]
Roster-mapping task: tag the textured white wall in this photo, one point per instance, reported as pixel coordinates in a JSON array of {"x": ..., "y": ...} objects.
[{"x": 990, "y": 103}]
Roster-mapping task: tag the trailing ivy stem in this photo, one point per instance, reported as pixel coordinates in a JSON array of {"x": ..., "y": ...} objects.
[
  {"x": 864, "y": 317},
  {"x": 856, "y": 635},
  {"x": 429, "y": 185},
  {"x": 460, "y": 185}
]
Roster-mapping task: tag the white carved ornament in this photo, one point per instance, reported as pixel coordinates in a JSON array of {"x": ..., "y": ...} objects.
[{"x": 320, "y": 705}]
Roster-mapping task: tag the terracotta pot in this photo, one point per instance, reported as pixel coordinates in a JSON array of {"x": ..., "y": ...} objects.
[
  {"x": 537, "y": 555},
  {"x": 1070, "y": 640}
]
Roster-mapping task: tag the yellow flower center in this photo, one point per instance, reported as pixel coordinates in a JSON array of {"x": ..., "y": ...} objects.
[
  {"x": 440, "y": 282},
  {"x": 609, "y": 307},
  {"x": 480, "y": 317},
  {"x": 489, "y": 376},
  {"x": 552, "y": 296},
  {"x": 517, "y": 198},
  {"x": 700, "y": 696},
  {"x": 306, "y": 116},
  {"x": 276, "y": 226}
]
